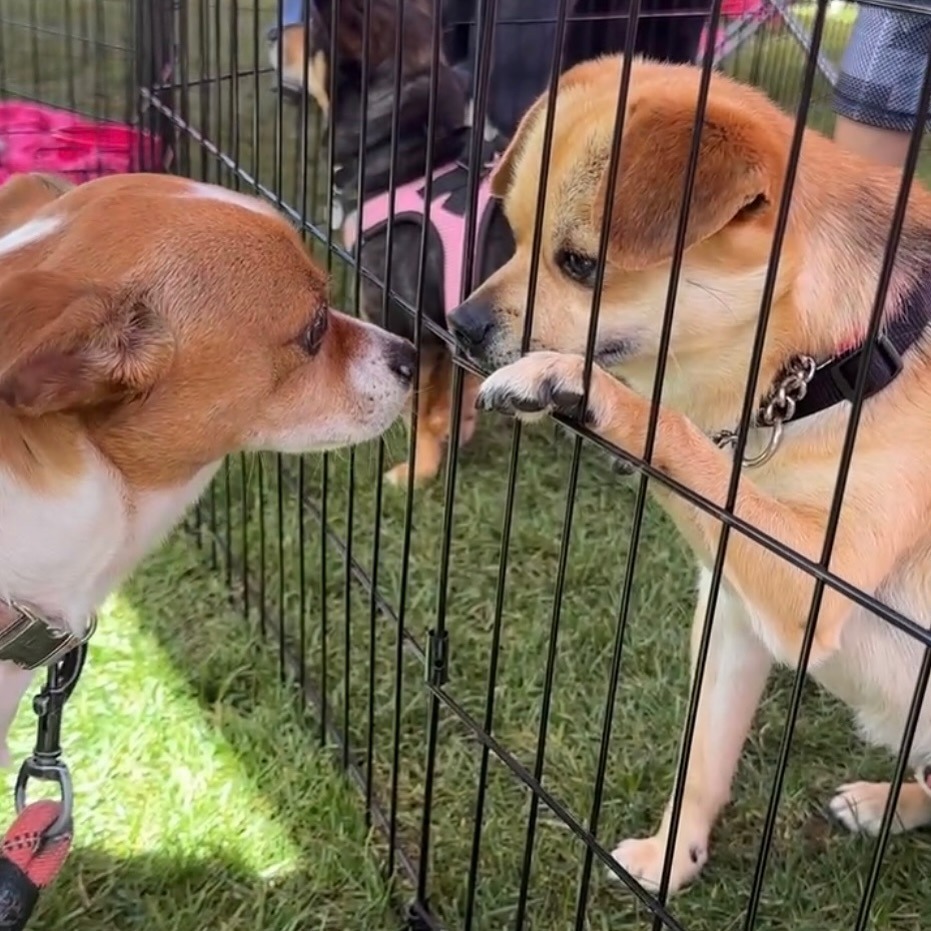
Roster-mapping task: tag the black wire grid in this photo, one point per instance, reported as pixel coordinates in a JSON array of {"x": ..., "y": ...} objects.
[{"x": 195, "y": 73}]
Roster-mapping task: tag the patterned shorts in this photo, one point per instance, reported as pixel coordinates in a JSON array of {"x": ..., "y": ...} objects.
[{"x": 883, "y": 68}]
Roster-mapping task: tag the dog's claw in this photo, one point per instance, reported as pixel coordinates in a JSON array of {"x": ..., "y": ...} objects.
[
  {"x": 528, "y": 406},
  {"x": 483, "y": 402},
  {"x": 547, "y": 399},
  {"x": 569, "y": 404}
]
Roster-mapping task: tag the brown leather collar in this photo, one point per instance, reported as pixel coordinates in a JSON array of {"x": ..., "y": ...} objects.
[{"x": 30, "y": 640}]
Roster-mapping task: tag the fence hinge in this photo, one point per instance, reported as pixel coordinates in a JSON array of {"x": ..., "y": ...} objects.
[
  {"x": 418, "y": 918},
  {"x": 438, "y": 657}
]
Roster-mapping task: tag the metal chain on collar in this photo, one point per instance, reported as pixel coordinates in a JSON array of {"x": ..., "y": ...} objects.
[{"x": 777, "y": 408}]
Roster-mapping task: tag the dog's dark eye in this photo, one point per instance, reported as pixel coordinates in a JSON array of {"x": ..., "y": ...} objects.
[
  {"x": 576, "y": 266},
  {"x": 312, "y": 337}
]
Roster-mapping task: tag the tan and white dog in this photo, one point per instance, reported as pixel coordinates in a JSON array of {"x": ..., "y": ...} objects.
[
  {"x": 150, "y": 326},
  {"x": 828, "y": 275}
]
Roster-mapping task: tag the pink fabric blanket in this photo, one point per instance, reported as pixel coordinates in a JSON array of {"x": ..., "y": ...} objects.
[{"x": 34, "y": 137}]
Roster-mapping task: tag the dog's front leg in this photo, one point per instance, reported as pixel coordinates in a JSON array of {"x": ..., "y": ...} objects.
[
  {"x": 735, "y": 673},
  {"x": 780, "y": 593},
  {"x": 738, "y": 663},
  {"x": 13, "y": 684}
]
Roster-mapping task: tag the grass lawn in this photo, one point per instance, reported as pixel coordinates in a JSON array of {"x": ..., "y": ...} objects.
[
  {"x": 204, "y": 800},
  {"x": 201, "y": 800}
]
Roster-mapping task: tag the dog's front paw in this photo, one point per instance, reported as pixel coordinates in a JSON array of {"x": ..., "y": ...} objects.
[
  {"x": 397, "y": 475},
  {"x": 540, "y": 383},
  {"x": 643, "y": 859},
  {"x": 860, "y": 806}
]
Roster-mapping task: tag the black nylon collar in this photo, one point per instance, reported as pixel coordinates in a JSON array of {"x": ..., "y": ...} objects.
[{"x": 835, "y": 379}]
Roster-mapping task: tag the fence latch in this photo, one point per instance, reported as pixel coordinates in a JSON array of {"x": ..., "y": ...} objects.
[{"x": 438, "y": 657}]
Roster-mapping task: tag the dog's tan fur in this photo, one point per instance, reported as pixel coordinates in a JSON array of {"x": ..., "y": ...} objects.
[{"x": 827, "y": 280}]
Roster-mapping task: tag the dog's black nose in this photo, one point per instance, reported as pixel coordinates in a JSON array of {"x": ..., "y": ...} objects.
[
  {"x": 472, "y": 323},
  {"x": 402, "y": 360},
  {"x": 272, "y": 33}
]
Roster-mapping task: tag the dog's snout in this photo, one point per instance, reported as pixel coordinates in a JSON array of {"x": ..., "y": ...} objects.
[
  {"x": 402, "y": 360},
  {"x": 472, "y": 323},
  {"x": 272, "y": 33}
]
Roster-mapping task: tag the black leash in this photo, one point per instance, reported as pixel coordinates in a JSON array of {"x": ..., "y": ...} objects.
[{"x": 35, "y": 847}]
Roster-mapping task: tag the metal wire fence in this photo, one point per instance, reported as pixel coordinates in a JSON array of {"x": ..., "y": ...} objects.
[{"x": 497, "y": 659}]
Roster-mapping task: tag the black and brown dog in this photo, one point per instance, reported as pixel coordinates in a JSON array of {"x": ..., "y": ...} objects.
[{"x": 362, "y": 178}]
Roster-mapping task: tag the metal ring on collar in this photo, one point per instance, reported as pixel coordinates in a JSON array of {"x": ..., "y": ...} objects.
[{"x": 775, "y": 438}]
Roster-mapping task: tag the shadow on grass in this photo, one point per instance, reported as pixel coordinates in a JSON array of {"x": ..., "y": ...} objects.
[
  {"x": 814, "y": 880},
  {"x": 209, "y": 892},
  {"x": 309, "y": 863}
]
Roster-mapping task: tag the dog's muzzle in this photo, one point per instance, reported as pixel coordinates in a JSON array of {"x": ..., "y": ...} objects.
[{"x": 473, "y": 324}]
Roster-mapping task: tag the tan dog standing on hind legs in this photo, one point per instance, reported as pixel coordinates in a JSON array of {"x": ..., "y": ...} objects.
[
  {"x": 149, "y": 326},
  {"x": 827, "y": 280}
]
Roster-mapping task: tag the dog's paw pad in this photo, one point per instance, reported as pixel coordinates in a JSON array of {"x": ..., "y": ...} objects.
[
  {"x": 859, "y": 806},
  {"x": 622, "y": 467},
  {"x": 523, "y": 405},
  {"x": 569, "y": 404}
]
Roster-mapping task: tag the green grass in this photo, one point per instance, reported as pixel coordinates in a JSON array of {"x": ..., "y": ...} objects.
[
  {"x": 191, "y": 810},
  {"x": 204, "y": 801}
]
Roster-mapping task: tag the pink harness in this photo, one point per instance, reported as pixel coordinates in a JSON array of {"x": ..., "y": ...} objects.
[{"x": 410, "y": 206}]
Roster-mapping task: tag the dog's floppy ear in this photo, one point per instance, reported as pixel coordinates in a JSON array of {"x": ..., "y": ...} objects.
[
  {"x": 740, "y": 167},
  {"x": 502, "y": 175},
  {"x": 67, "y": 345}
]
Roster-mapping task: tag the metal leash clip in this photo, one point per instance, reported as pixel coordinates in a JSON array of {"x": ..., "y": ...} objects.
[
  {"x": 776, "y": 410},
  {"x": 46, "y": 764}
]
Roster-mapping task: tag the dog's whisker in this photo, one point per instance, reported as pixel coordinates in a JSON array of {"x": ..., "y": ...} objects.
[{"x": 712, "y": 293}]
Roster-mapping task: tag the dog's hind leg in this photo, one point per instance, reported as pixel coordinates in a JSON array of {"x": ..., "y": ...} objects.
[
  {"x": 735, "y": 675},
  {"x": 434, "y": 415},
  {"x": 13, "y": 684},
  {"x": 469, "y": 416},
  {"x": 859, "y": 806},
  {"x": 432, "y": 418}
]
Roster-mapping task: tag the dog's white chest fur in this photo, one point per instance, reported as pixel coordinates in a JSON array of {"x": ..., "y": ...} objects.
[
  {"x": 875, "y": 670},
  {"x": 65, "y": 553}
]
